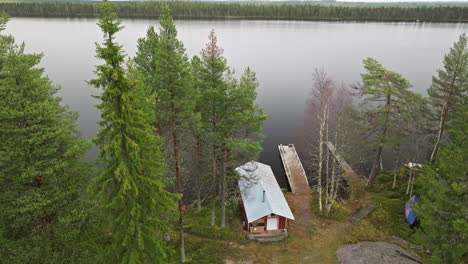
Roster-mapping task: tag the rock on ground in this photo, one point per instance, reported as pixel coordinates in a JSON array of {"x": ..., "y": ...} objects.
[
  {"x": 230, "y": 261},
  {"x": 373, "y": 252}
]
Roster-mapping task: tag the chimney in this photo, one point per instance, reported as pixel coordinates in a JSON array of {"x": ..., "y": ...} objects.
[{"x": 263, "y": 200}]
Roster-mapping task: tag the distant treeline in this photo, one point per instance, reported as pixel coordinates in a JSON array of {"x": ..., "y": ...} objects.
[{"x": 206, "y": 10}]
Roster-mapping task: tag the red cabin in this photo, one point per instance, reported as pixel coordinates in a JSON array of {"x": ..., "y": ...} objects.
[{"x": 265, "y": 211}]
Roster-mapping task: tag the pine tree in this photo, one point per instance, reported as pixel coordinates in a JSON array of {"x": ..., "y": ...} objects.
[
  {"x": 212, "y": 85},
  {"x": 443, "y": 187},
  {"x": 387, "y": 101},
  {"x": 449, "y": 87},
  {"x": 41, "y": 172},
  {"x": 240, "y": 128},
  {"x": 197, "y": 130},
  {"x": 171, "y": 81},
  {"x": 130, "y": 190}
]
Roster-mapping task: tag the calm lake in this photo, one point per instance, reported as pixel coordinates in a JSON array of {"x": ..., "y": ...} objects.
[{"x": 282, "y": 53}]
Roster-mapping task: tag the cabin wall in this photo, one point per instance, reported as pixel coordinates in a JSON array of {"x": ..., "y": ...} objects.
[
  {"x": 282, "y": 222},
  {"x": 244, "y": 215},
  {"x": 261, "y": 225}
]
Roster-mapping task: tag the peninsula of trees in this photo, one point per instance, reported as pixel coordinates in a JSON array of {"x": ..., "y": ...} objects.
[{"x": 231, "y": 10}]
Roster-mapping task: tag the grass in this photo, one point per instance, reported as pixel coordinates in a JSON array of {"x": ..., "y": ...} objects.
[
  {"x": 202, "y": 251},
  {"x": 389, "y": 214},
  {"x": 199, "y": 222},
  {"x": 316, "y": 244}
]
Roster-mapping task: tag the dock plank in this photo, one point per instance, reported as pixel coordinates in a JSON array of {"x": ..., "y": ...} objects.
[{"x": 294, "y": 170}]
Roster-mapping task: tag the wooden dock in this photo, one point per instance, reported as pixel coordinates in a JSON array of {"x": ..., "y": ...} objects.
[{"x": 294, "y": 170}]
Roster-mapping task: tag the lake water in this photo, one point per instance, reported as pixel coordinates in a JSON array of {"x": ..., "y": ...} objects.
[{"x": 282, "y": 53}]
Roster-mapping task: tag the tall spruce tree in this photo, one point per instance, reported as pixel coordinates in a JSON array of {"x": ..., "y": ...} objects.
[
  {"x": 41, "y": 172},
  {"x": 131, "y": 189},
  {"x": 387, "y": 101},
  {"x": 449, "y": 87},
  {"x": 443, "y": 188},
  {"x": 171, "y": 81}
]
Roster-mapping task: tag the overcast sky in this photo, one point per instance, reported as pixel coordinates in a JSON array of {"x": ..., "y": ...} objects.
[{"x": 370, "y": 1}]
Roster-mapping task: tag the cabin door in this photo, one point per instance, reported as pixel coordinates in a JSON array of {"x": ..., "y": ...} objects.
[{"x": 272, "y": 223}]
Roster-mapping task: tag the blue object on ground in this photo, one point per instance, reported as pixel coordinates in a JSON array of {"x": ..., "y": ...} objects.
[{"x": 409, "y": 212}]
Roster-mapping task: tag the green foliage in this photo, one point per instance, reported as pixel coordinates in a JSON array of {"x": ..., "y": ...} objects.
[
  {"x": 43, "y": 216},
  {"x": 205, "y": 251},
  {"x": 337, "y": 212},
  {"x": 387, "y": 100},
  {"x": 198, "y": 222},
  {"x": 387, "y": 105},
  {"x": 450, "y": 88},
  {"x": 364, "y": 231},
  {"x": 442, "y": 208},
  {"x": 389, "y": 215},
  {"x": 130, "y": 191},
  {"x": 357, "y": 186},
  {"x": 450, "y": 85},
  {"x": 312, "y": 10}
]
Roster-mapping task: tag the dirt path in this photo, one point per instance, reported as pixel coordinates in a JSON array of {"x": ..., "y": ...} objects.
[
  {"x": 375, "y": 252},
  {"x": 302, "y": 211}
]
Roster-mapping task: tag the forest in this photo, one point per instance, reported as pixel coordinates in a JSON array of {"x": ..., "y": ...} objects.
[
  {"x": 174, "y": 128},
  {"x": 231, "y": 10}
]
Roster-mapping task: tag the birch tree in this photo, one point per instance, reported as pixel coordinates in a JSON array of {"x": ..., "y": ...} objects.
[{"x": 323, "y": 88}]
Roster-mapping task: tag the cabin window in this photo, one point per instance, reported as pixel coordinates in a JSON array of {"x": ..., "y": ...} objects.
[{"x": 257, "y": 224}]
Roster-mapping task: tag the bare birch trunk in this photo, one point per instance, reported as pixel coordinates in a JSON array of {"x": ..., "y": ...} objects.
[
  {"x": 409, "y": 181},
  {"x": 412, "y": 184},
  {"x": 319, "y": 174},
  {"x": 327, "y": 153}
]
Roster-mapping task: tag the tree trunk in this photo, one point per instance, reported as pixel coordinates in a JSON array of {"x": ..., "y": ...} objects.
[
  {"x": 412, "y": 184},
  {"x": 409, "y": 181},
  {"x": 334, "y": 180},
  {"x": 199, "y": 171},
  {"x": 394, "y": 178},
  {"x": 375, "y": 166},
  {"x": 179, "y": 190},
  {"x": 223, "y": 187},
  {"x": 319, "y": 173},
  {"x": 395, "y": 168},
  {"x": 327, "y": 161},
  {"x": 443, "y": 117},
  {"x": 381, "y": 163},
  {"x": 213, "y": 185}
]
